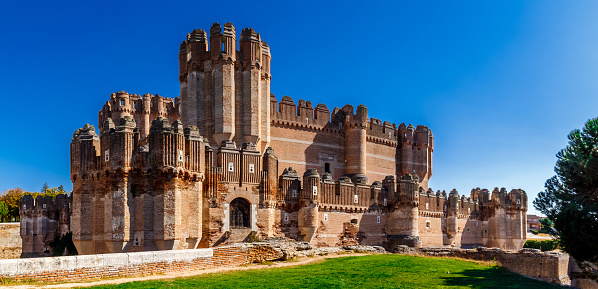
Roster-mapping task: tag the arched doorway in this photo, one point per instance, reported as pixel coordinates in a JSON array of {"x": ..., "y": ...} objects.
[{"x": 239, "y": 214}]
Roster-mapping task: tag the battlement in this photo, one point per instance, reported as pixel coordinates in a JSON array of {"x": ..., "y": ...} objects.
[
  {"x": 28, "y": 204},
  {"x": 142, "y": 108},
  {"x": 516, "y": 199},
  {"x": 121, "y": 148},
  {"x": 222, "y": 45},
  {"x": 301, "y": 114}
]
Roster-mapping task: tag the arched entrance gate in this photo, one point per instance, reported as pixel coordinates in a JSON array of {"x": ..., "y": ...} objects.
[{"x": 240, "y": 216}]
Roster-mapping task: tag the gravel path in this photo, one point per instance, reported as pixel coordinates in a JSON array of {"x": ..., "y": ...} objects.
[{"x": 277, "y": 264}]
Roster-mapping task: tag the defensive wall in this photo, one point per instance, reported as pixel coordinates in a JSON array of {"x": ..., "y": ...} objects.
[{"x": 10, "y": 242}]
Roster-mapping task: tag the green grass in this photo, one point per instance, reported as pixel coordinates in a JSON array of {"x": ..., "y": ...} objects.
[{"x": 373, "y": 271}]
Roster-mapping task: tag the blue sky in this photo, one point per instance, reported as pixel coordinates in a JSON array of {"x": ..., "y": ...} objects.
[{"x": 500, "y": 84}]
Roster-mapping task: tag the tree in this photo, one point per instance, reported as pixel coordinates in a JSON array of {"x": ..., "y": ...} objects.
[
  {"x": 45, "y": 188},
  {"x": 11, "y": 199},
  {"x": 546, "y": 223},
  {"x": 4, "y": 216},
  {"x": 570, "y": 198}
]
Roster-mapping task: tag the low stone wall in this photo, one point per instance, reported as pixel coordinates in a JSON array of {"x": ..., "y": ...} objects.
[
  {"x": 69, "y": 268},
  {"x": 10, "y": 241},
  {"x": 548, "y": 266}
]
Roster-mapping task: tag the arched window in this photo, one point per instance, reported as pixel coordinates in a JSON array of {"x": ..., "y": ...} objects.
[{"x": 239, "y": 213}]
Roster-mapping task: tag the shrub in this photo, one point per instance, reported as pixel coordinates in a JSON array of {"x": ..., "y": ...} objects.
[{"x": 544, "y": 245}]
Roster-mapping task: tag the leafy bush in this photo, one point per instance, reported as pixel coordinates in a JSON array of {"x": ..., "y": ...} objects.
[{"x": 544, "y": 245}]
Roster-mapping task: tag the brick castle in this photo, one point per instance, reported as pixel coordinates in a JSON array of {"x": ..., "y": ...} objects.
[{"x": 226, "y": 162}]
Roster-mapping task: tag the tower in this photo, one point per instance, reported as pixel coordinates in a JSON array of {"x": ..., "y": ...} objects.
[{"x": 226, "y": 92}]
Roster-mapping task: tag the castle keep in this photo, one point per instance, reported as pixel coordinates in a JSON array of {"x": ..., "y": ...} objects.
[{"x": 227, "y": 161}]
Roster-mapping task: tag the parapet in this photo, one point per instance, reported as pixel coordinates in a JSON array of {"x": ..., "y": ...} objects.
[
  {"x": 142, "y": 108},
  {"x": 87, "y": 132}
]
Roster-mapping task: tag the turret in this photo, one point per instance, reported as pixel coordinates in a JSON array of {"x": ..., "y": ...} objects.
[
  {"x": 271, "y": 180},
  {"x": 452, "y": 221},
  {"x": 223, "y": 41},
  {"x": 250, "y": 47},
  {"x": 309, "y": 202},
  {"x": 118, "y": 143},
  {"x": 402, "y": 224},
  {"x": 355, "y": 142}
]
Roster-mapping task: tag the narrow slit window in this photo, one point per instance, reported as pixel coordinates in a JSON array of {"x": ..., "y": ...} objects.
[
  {"x": 223, "y": 47},
  {"x": 327, "y": 168}
]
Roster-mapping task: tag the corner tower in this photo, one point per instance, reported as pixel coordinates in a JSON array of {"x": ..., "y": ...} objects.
[{"x": 226, "y": 92}]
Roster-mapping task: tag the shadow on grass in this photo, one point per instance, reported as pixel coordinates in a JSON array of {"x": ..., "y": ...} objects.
[{"x": 495, "y": 277}]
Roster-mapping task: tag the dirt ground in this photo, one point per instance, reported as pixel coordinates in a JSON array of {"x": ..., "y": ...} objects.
[{"x": 276, "y": 264}]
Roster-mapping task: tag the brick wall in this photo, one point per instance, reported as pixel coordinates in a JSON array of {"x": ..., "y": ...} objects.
[
  {"x": 10, "y": 241},
  {"x": 53, "y": 269}
]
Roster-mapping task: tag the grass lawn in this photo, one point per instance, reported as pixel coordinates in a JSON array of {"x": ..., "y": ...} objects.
[{"x": 372, "y": 271}]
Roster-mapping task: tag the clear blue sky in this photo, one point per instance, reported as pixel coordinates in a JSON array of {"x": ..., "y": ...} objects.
[{"x": 500, "y": 84}]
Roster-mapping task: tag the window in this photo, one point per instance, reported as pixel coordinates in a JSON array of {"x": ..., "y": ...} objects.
[
  {"x": 180, "y": 155},
  {"x": 231, "y": 167},
  {"x": 294, "y": 193},
  {"x": 223, "y": 47},
  {"x": 188, "y": 55},
  {"x": 428, "y": 224},
  {"x": 427, "y": 206},
  {"x": 325, "y": 217},
  {"x": 355, "y": 199},
  {"x": 340, "y": 125},
  {"x": 122, "y": 102},
  {"x": 251, "y": 168},
  {"x": 385, "y": 201},
  {"x": 378, "y": 219},
  {"x": 315, "y": 190},
  {"x": 136, "y": 242},
  {"x": 518, "y": 202},
  {"x": 467, "y": 229},
  {"x": 44, "y": 206},
  {"x": 286, "y": 217},
  {"x": 468, "y": 210},
  {"x": 353, "y": 221},
  {"x": 107, "y": 155},
  {"x": 327, "y": 168}
]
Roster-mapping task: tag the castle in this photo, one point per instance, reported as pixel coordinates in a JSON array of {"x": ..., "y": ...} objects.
[{"x": 226, "y": 162}]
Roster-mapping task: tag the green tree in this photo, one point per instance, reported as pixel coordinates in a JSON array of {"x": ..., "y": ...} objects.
[
  {"x": 45, "y": 188},
  {"x": 11, "y": 199},
  {"x": 546, "y": 225},
  {"x": 4, "y": 216},
  {"x": 570, "y": 198}
]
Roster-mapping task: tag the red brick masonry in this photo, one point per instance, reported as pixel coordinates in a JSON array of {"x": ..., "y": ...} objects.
[{"x": 53, "y": 269}]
